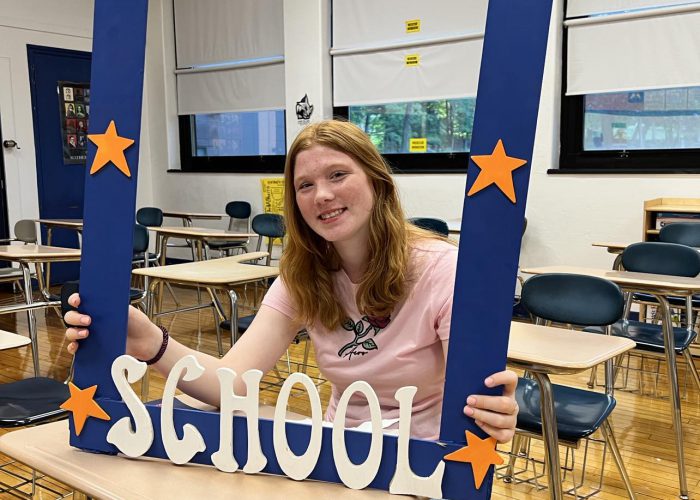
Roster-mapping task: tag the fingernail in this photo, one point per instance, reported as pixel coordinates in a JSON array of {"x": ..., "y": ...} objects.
[
  {"x": 85, "y": 320},
  {"x": 488, "y": 382},
  {"x": 82, "y": 333},
  {"x": 471, "y": 400},
  {"x": 468, "y": 411}
]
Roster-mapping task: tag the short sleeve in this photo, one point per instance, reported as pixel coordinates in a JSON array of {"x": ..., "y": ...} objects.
[
  {"x": 442, "y": 287},
  {"x": 277, "y": 297}
]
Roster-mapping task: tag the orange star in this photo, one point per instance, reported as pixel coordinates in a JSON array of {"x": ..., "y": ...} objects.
[
  {"x": 496, "y": 168},
  {"x": 81, "y": 402},
  {"x": 110, "y": 147},
  {"x": 481, "y": 453}
]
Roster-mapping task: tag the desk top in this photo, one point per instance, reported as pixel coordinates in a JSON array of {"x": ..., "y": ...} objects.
[
  {"x": 192, "y": 215},
  {"x": 46, "y": 449},
  {"x": 454, "y": 226},
  {"x": 224, "y": 271},
  {"x": 67, "y": 223},
  {"x": 10, "y": 340},
  {"x": 612, "y": 246},
  {"x": 200, "y": 232},
  {"x": 626, "y": 279},
  {"x": 37, "y": 253},
  {"x": 557, "y": 350}
]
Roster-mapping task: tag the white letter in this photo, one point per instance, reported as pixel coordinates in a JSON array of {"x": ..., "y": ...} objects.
[
  {"x": 179, "y": 451},
  {"x": 295, "y": 466},
  {"x": 405, "y": 482},
  {"x": 130, "y": 442},
  {"x": 223, "y": 458},
  {"x": 357, "y": 476}
]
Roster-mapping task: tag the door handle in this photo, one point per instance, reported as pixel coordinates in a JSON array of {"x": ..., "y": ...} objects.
[{"x": 10, "y": 144}]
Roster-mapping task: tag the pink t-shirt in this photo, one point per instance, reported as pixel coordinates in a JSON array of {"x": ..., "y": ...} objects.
[{"x": 389, "y": 353}]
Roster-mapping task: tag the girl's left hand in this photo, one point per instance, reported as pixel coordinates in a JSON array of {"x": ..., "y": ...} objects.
[{"x": 496, "y": 415}]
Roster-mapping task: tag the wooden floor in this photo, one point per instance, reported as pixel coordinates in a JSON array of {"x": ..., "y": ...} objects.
[{"x": 641, "y": 420}]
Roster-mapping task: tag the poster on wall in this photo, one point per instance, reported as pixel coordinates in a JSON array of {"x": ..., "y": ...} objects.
[{"x": 74, "y": 101}]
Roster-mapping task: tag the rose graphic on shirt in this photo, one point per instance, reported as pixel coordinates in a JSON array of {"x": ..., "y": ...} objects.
[{"x": 361, "y": 344}]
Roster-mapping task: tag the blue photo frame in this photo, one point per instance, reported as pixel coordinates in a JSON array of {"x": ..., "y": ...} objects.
[{"x": 492, "y": 222}]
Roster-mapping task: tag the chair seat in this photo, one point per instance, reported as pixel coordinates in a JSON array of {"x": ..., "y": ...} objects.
[
  {"x": 649, "y": 337},
  {"x": 243, "y": 323},
  {"x": 216, "y": 245},
  {"x": 579, "y": 412},
  {"x": 32, "y": 401},
  {"x": 138, "y": 257},
  {"x": 673, "y": 301}
]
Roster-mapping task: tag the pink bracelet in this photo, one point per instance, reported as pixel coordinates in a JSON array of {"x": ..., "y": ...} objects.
[{"x": 162, "y": 349}]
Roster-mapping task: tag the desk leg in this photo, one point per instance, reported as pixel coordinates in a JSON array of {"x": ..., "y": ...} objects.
[
  {"x": 233, "y": 296},
  {"x": 669, "y": 343},
  {"x": 31, "y": 318},
  {"x": 549, "y": 434}
]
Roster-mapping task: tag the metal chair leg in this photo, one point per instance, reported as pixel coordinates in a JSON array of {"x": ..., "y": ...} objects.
[
  {"x": 691, "y": 367},
  {"x": 612, "y": 443}
]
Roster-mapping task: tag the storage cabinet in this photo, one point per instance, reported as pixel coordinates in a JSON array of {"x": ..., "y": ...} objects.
[{"x": 661, "y": 211}]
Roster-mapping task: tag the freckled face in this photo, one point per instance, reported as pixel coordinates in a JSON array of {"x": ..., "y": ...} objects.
[{"x": 334, "y": 195}]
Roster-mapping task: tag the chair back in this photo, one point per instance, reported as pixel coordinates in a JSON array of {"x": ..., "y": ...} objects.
[
  {"x": 25, "y": 231},
  {"x": 438, "y": 226},
  {"x": 270, "y": 226},
  {"x": 573, "y": 298},
  {"x": 683, "y": 233},
  {"x": 238, "y": 211},
  {"x": 661, "y": 258},
  {"x": 149, "y": 216},
  {"x": 140, "y": 239}
]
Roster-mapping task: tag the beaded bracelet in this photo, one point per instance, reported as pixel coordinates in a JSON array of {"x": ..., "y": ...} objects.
[{"x": 162, "y": 349}]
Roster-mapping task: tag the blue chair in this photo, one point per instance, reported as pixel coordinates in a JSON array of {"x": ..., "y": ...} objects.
[
  {"x": 239, "y": 220},
  {"x": 438, "y": 226},
  {"x": 659, "y": 258},
  {"x": 577, "y": 300}
]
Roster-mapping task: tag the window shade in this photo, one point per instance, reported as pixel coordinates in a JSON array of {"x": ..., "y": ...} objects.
[
  {"x": 578, "y": 8},
  {"x": 224, "y": 32},
  {"x": 380, "y": 57},
  {"x": 628, "y": 52}
]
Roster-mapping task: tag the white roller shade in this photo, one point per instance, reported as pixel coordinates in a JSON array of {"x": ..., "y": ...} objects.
[
  {"x": 578, "y": 8},
  {"x": 384, "y": 77},
  {"x": 358, "y": 23},
  {"x": 620, "y": 53},
  {"x": 214, "y": 31},
  {"x": 380, "y": 57},
  {"x": 230, "y": 34},
  {"x": 247, "y": 89}
]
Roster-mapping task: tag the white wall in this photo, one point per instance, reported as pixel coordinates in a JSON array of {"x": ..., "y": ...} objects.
[
  {"x": 68, "y": 25},
  {"x": 566, "y": 213}
]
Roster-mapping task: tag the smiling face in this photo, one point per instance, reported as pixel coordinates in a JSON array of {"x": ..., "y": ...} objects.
[{"x": 334, "y": 195}]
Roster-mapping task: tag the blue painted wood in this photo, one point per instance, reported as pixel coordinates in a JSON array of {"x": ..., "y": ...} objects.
[
  {"x": 119, "y": 42},
  {"x": 507, "y": 104}
]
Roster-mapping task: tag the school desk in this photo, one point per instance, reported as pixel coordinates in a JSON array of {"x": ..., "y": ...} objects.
[
  {"x": 660, "y": 286},
  {"x": 26, "y": 255},
  {"x": 73, "y": 224},
  {"x": 197, "y": 234}
]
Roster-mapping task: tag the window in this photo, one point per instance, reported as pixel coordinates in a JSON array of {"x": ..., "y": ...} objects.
[
  {"x": 233, "y": 142},
  {"x": 395, "y": 76},
  {"x": 631, "y": 102},
  {"x": 230, "y": 85}
]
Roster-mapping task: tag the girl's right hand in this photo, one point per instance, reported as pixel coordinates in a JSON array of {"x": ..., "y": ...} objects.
[{"x": 143, "y": 339}]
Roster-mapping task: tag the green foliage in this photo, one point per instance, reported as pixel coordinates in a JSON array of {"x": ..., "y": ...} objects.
[{"x": 446, "y": 124}]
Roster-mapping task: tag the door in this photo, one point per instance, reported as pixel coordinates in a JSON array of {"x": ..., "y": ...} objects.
[{"x": 60, "y": 114}]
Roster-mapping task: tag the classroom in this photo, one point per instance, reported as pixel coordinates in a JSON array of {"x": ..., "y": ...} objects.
[{"x": 159, "y": 131}]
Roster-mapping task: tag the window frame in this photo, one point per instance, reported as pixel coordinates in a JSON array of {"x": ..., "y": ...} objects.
[
  {"x": 573, "y": 159},
  {"x": 259, "y": 164},
  {"x": 418, "y": 163}
]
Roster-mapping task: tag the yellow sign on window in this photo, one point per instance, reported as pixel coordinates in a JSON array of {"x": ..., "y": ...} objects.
[
  {"x": 412, "y": 25},
  {"x": 412, "y": 59},
  {"x": 418, "y": 145}
]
